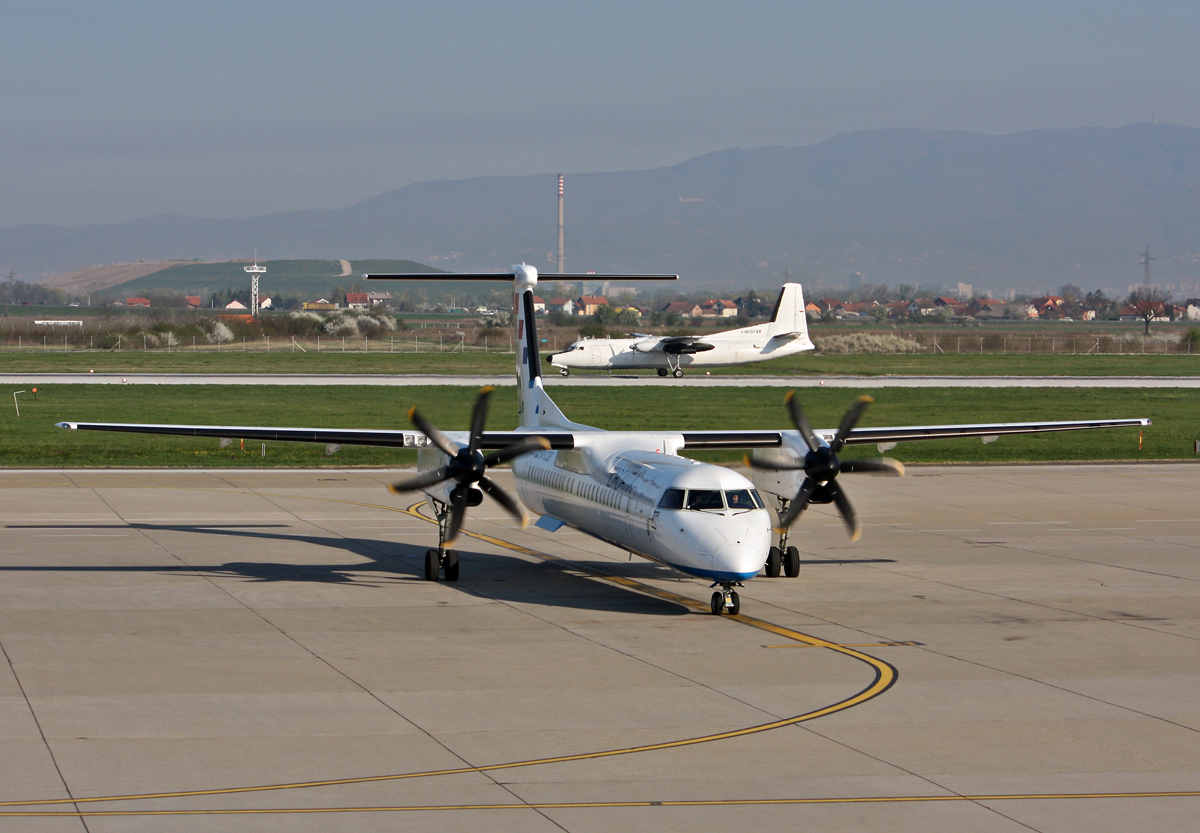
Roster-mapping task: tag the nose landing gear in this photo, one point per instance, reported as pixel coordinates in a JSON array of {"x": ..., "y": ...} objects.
[{"x": 726, "y": 599}]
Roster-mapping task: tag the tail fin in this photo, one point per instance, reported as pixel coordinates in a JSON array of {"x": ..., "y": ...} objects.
[
  {"x": 788, "y": 317},
  {"x": 535, "y": 408}
]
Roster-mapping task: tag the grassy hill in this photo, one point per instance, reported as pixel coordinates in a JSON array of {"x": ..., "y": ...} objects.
[{"x": 302, "y": 278}]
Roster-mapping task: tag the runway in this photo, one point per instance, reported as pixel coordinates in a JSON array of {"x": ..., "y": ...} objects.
[
  {"x": 554, "y": 380},
  {"x": 1006, "y": 648}
]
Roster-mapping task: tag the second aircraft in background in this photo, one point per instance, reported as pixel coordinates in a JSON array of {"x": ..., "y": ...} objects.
[{"x": 784, "y": 335}]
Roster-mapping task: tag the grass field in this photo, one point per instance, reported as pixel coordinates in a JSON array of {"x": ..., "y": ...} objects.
[
  {"x": 33, "y": 441},
  {"x": 231, "y": 359}
]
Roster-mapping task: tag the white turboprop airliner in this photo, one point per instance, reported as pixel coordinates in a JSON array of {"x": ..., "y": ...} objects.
[
  {"x": 629, "y": 488},
  {"x": 784, "y": 335}
]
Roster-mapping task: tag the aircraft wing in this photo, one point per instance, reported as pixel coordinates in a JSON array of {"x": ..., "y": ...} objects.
[
  {"x": 560, "y": 439},
  {"x": 490, "y": 440},
  {"x": 906, "y": 433}
]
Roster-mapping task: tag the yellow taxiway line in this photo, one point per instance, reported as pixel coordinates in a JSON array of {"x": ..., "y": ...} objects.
[{"x": 602, "y": 805}]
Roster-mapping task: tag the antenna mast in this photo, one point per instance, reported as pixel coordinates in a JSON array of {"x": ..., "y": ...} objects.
[
  {"x": 1145, "y": 261},
  {"x": 562, "y": 254}
]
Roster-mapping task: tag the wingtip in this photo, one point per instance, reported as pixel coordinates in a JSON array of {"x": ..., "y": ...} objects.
[{"x": 64, "y": 425}]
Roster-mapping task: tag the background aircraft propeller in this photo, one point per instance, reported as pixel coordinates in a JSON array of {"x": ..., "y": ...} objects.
[
  {"x": 821, "y": 465},
  {"x": 468, "y": 466}
]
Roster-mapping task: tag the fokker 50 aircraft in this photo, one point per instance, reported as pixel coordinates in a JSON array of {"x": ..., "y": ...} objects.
[
  {"x": 629, "y": 488},
  {"x": 784, "y": 335}
]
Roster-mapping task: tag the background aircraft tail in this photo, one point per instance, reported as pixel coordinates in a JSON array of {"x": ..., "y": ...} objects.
[{"x": 788, "y": 317}]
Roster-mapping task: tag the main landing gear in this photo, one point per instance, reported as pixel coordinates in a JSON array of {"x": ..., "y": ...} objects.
[
  {"x": 674, "y": 369},
  {"x": 726, "y": 599},
  {"x": 783, "y": 557},
  {"x": 441, "y": 561},
  {"x": 562, "y": 371}
]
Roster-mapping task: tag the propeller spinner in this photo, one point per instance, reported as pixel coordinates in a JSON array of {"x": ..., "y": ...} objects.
[
  {"x": 468, "y": 466},
  {"x": 821, "y": 465}
]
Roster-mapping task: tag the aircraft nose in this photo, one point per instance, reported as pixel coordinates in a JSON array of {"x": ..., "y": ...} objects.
[{"x": 741, "y": 560}]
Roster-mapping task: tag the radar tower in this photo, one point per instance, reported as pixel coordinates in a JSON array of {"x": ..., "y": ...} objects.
[{"x": 255, "y": 271}]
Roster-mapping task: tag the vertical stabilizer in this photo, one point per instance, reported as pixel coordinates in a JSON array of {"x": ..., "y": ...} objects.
[
  {"x": 789, "y": 317},
  {"x": 534, "y": 406}
]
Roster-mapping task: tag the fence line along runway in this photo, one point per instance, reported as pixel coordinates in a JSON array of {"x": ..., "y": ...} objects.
[
  {"x": 691, "y": 379},
  {"x": 200, "y": 643}
]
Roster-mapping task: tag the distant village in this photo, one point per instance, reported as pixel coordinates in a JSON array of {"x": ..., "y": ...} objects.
[{"x": 1072, "y": 306}]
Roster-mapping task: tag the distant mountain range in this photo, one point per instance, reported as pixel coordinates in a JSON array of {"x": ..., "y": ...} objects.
[{"x": 1027, "y": 210}]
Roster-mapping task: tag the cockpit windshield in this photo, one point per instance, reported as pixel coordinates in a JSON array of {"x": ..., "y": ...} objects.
[
  {"x": 704, "y": 499},
  {"x": 700, "y": 500}
]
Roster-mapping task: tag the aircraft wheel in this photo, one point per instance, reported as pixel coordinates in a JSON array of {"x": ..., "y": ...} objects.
[
  {"x": 564, "y": 372},
  {"x": 677, "y": 373},
  {"x": 717, "y": 604},
  {"x": 774, "y": 561},
  {"x": 662, "y": 371},
  {"x": 432, "y": 565},
  {"x": 791, "y": 562},
  {"x": 735, "y": 603},
  {"x": 450, "y": 567}
]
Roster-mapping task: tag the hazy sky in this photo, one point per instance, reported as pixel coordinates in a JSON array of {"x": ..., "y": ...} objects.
[{"x": 117, "y": 110}]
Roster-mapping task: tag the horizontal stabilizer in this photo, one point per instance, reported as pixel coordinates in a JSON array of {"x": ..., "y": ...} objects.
[{"x": 508, "y": 276}]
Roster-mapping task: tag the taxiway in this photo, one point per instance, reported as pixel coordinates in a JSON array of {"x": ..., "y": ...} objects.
[{"x": 1005, "y": 649}]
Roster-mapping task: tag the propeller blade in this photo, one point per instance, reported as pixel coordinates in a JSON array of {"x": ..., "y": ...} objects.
[
  {"x": 435, "y": 436},
  {"x": 799, "y": 503},
  {"x": 880, "y": 465},
  {"x": 849, "y": 421},
  {"x": 502, "y": 497},
  {"x": 479, "y": 416},
  {"x": 773, "y": 463},
  {"x": 458, "y": 508},
  {"x": 516, "y": 450},
  {"x": 800, "y": 420},
  {"x": 420, "y": 481},
  {"x": 848, "y": 514}
]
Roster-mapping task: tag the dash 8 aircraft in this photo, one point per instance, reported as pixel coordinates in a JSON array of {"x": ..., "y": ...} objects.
[
  {"x": 784, "y": 335},
  {"x": 629, "y": 488}
]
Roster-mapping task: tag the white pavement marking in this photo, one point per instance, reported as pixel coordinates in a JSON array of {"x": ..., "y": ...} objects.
[{"x": 610, "y": 381}]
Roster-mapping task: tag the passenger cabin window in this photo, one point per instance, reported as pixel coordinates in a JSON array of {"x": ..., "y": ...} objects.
[
  {"x": 700, "y": 499},
  {"x": 671, "y": 499}
]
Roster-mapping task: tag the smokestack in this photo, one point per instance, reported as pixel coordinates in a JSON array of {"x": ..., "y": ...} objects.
[{"x": 562, "y": 254}]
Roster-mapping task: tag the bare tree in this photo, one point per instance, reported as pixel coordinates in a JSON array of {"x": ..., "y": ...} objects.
[{"x": 1149, "y": 301}]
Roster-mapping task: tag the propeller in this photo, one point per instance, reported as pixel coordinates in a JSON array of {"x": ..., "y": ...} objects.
[
  {"x": 468, "y": 466},
  {"x": 821, "y": 465}
]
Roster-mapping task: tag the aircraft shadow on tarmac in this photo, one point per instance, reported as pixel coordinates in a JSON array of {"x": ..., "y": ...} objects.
[{"x": 393, "y": 564}]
